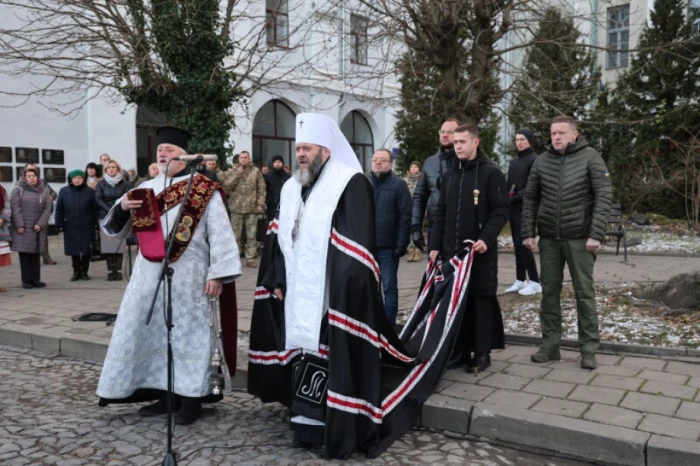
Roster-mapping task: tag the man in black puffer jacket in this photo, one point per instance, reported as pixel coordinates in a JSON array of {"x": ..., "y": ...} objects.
[
  {"x": 518, "y": 172},
  {"x": 568, "y": 197},
  {"x": 392, "y": 213},
  {"x": 458, "y": 218}
]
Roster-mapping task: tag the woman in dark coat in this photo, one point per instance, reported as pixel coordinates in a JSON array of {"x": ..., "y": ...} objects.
[
  {"x": 31, "y": 210},
  {"x": 76, "y": 214},
  {"x": 108, "y": 191}
]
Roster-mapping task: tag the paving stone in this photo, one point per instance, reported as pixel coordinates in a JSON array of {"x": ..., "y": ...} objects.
[
  {"x": 565, "y": 365},
  {"x": 460, "y": 375},
  {"x": 498, "y": 366},
  {"x": 611, "y": 381},
  {"x": 650, "y": 403},
  {"x": 525, "y": 370},
  {"x": 694, "y": 382},
  {"x": 613, "y": 415},
  {"x": 512, "y": 398},
  {"x": 503, "y": 355},
  {"x": 505, "y": 381},
  {"x": 568, "y": 355},
  {"x": 525, "y": 359},
  {"x": 591, "y": 394},
  {"x": 671, "y": 427},
  {"x": 447, "y": 413},
  {"x": 550, "y": 388},
  {"x": 689, "y": 411},
  {"x": 669, "y": 389},
  {"x": 653, "y": 364},
  {"x": 467, "y": 391},
  {"x": 561, "y": 407},
  {"x": 682, "y": 368},
  {"x": 667, "y": 451},
  {"x": 607, "y": 359},
  {"x": 617, "y": 370},
  {"x": 582, "y": 376},
  {"x": 664, "y": 377}
]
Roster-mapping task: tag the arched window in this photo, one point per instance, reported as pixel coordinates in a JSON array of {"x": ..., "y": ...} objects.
[
  {"x": 147, "y": 122},
  {"x": 273, "y": 134},
  {"x": 358, "y": 133}
]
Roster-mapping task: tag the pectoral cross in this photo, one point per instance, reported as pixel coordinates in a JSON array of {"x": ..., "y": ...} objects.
[{"x": 301, "y": 123}]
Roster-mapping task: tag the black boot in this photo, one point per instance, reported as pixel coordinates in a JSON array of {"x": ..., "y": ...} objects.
[
  {"x": 76, "y": 269},
  {"x": 118, "y": 259},
  {"x": 483, "y": 362},
  {"x": 189, "y": 412},
  {"x": 159, "y": 407},
  {"x": 109, "y": 258},
  {"x": 84, "y": 267}
]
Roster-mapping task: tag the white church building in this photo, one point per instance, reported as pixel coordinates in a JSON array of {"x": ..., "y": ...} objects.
[{"x": 365, "y": 111}]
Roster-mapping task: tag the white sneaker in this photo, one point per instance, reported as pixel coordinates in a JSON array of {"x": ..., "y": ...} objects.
[
  {"x": 531, "y": 289},
  {"x": 517, "y": 286}
]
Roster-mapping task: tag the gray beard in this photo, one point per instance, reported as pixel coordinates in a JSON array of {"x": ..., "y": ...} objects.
[{"x": 306, "y": 176}]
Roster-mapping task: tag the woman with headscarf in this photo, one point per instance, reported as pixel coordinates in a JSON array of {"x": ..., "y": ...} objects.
[
  {"x": 31, "y": 208},
  {"x": 94, "y": 174},
  {"x": 5, "y": 238},
  {"x": 76, "y": 214},
  {"x": 108, "y": 191}
]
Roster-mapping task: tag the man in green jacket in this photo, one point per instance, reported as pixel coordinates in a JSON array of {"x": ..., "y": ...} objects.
[{"x": 568, "y": 197}]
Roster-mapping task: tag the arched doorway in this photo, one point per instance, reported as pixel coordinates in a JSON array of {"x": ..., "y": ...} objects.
[
  {"x": 357, "y": 131},
  {"x": 147, "y": 122},
  {"x": 273, "y": 134}
]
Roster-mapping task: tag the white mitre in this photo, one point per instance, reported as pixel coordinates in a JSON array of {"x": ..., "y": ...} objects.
[{"x": 322, "y": 130}]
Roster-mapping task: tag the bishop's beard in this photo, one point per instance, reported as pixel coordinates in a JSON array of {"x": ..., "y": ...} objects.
[{"x": 306, "y": 176}]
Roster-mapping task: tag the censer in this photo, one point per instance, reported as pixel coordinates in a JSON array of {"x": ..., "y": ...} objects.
[{"x": 217, "y": 377}]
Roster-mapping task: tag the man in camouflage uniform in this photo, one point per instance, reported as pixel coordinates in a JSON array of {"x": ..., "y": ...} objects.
[{"x": 245, "y": 188}]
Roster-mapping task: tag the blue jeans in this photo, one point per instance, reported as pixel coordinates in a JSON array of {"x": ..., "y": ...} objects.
[{"x": 389, "y": 268}]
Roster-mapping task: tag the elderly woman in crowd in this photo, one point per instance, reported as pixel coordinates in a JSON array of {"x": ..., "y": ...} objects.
[
  {"x": 94, "y": 175},
  {"x": 31, "y": 208},
  {"x": 108, "y": 191},
  {"x": 76, "y": 214},
  {"x": 104, "y": 158},
  {"x": 5, "y": 238}
]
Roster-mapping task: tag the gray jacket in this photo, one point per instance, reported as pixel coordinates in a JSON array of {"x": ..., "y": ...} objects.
[
  {"x": 427, "y": 189},
  {"x": 30, "y": 206}
]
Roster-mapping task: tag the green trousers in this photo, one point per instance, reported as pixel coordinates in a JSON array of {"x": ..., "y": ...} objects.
[
  {"x": 250, "y": 222},
  {"x": 553, "y": 255}
]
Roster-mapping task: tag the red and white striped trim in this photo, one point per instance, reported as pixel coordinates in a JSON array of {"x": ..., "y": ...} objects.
[
  {"x": 354, "y": 327},
  {"x": 262, "y": 293},
  {"x": 323, "y": 350},
  {"x": 273, "y": 227},
  {"x": 356, "y": 251},
  {"x": 393, "y": 351},
  {"x": 272, "y": 357},
  {"x": 354, "y": 406}
]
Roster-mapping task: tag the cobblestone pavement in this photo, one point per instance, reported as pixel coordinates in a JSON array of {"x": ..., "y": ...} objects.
[{"x": 49, "y": 416}]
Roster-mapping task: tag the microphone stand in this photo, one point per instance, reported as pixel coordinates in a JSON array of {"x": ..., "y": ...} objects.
[{"x": 166, "y": 275}]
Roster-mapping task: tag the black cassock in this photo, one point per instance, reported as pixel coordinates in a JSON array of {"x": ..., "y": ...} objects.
[{"x": 375, "y": 381}]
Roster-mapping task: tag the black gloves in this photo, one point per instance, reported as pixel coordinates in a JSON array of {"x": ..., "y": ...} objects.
[
  {"x": 418, "y": 240},
  {"x": 399, "y": 252}
]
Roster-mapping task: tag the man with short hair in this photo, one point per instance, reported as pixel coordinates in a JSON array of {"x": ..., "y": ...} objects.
[
  {"x": 392, "y": 214},
  {"x": 275, "y": 180},
  {"x": 246, "y": 199},
  {"x": 427, "y": 190},
  {"x": 473, "y": 206},
  {"x": 567, "y": 201}
]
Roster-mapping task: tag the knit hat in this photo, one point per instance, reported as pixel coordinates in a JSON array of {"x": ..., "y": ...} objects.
[
  {"x": 528, "y": 133},
  {"x": 76, "y": 172},
  {"x": 278, "y": 157},
  {"x": 417, "y": 163}
]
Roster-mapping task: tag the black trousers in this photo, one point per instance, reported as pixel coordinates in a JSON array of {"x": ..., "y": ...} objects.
[
  {"x": 81, "y": 264},
  {"x": 30, "y": 267},
  {"x": 524, "y": 258},
  {"x": 114, "y": 262},
  {"x": 481, "y": 329}
]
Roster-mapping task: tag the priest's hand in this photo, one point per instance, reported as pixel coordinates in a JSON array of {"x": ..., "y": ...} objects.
[
  {"x": 530, "y": 243},
  {"x": 126, "y": 204},
  {"x": 278, "y": 293},
  {"x": 434, "y": 255},
  {"x": 480, "y": 247},
  {"x": 213, "y": 288}
]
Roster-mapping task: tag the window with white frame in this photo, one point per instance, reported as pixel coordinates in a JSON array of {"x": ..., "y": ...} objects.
[
  {"x": 694, "y": 14},
  {"x": 277, "y": 22},
  {"x": 618, "y": 36},
  {"x": 358, "y": 39}
]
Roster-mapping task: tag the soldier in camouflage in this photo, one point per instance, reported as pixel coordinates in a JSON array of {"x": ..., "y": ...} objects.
[{"x": 245, "y": 188}]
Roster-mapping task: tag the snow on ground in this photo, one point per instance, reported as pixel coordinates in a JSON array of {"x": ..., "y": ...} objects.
[{"x": 650, "y": 242}]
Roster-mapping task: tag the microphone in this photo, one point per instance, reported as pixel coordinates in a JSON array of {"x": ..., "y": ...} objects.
[{"x": 196, "y": 158}]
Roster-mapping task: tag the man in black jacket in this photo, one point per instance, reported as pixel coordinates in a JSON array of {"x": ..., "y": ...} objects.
[
  {"x": 274, "y": 180},
  {"x": 473, "y": 206},
  {"x": 392, "y": 213},
  {"x": 518, "y": 171},
  {"x": 428, "y": 188}
]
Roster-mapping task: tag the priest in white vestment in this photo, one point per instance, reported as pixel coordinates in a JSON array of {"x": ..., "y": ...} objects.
[{"x": 206, "y": 262}]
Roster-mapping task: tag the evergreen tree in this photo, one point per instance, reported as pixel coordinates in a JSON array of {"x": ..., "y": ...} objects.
[
  {"x": 655, "y": 109},
  {"x": 558, "y": 78}
]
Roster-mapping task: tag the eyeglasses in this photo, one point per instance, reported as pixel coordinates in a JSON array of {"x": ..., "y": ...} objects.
[{"x": 445, "y": 131}]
